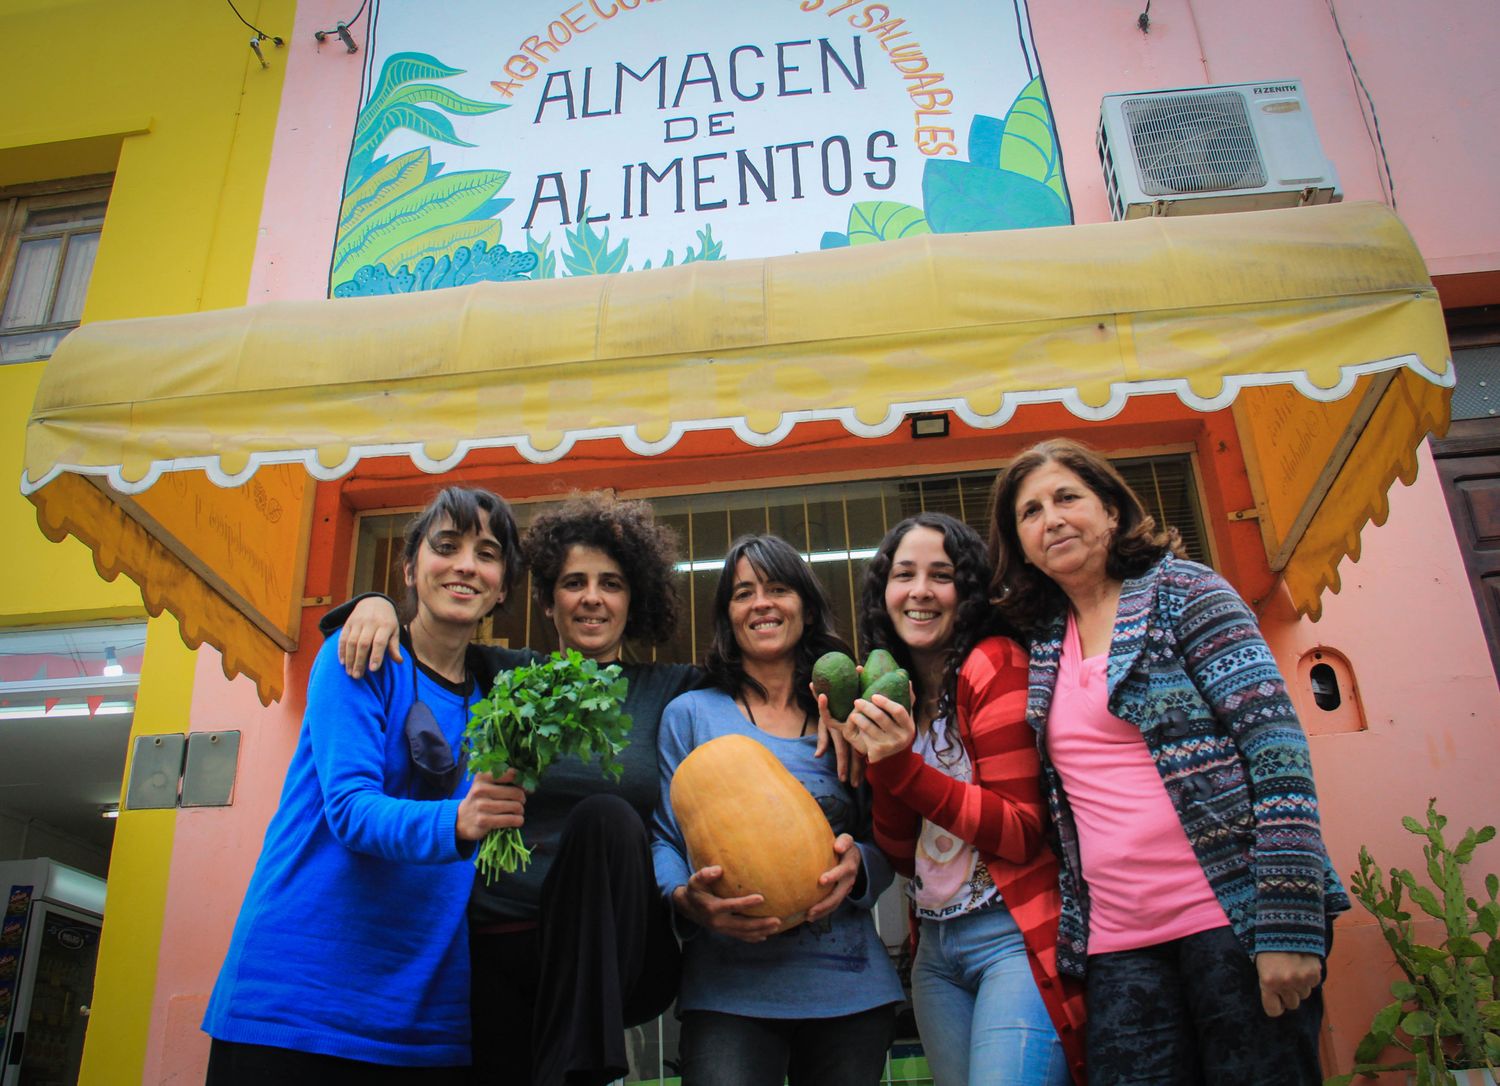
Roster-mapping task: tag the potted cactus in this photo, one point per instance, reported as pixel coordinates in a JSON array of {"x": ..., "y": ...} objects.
[{"x": 1446, "y": 1016}]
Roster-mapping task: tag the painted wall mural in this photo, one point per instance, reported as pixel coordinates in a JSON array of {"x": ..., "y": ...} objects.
[{"x": 533, "y": 139}]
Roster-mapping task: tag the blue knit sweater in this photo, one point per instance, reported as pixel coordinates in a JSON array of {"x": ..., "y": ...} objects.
[
  {"x": 351, "y": 941},
  {"x": 1188, "y": 666}
]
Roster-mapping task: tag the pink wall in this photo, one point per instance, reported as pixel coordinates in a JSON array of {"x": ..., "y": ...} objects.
[
  {"x": 1405, "y": 618},
  {"x": 215, "y": 848}
]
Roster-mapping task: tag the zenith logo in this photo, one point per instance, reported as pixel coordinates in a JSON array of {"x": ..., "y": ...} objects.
[{"x": 1279, "y": 88}]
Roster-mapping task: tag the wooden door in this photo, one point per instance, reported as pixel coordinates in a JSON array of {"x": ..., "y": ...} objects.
[{"x": 1468, "y": 463}]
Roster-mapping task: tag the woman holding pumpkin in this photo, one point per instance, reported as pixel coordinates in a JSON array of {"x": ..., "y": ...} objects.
[
  {"x": 959, "y": 809},
  {"x": 813, "y": 1004},
  {"x": 1197, "y": 893}
]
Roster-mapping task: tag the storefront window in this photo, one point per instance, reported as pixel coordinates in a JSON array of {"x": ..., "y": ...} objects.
[
  {"x": 67, "y": 700},
  {"x": 837, "y": 525}
]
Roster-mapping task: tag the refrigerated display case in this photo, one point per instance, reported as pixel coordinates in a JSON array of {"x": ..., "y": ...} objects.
[{"x": 49, "y": 944}]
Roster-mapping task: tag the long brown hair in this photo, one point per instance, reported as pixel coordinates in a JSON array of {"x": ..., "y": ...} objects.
[{"x": 1025, "y": 595}]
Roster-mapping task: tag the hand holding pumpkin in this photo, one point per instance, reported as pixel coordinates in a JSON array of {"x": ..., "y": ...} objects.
[
  {"x": 698, "y": 902},
  {"x": 839, "y": 879}
]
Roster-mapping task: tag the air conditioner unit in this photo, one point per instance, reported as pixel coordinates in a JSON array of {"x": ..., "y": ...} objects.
[{"x": 1197, "y": 150}]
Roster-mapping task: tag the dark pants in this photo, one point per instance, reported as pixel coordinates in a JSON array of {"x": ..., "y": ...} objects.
[
  {"x": 1189, "y": 1011},
  {"x": 233, "y": 1064},
  {"x": 732, "y": 1050},
  {"x": 550, "y": 1006}
]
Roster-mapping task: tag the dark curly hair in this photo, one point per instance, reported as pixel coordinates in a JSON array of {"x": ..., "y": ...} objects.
[
  {"x": 975, "y": 619},
  {"x": 777, "y": 561},
  {"x": 468, "y": 509},
  {"x": 1027, "y": 597},
  {"x": 628, "y": 532}
]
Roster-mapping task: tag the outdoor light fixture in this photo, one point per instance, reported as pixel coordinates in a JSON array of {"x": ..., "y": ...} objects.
[
  {"x": 929, "y": 424},
  {"x": 342, "y": 30},
  {"x": 109, "y": 810},
  {"x": 112, "y": 666}
]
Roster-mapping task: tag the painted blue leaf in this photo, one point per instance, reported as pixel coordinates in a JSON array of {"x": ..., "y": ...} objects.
[
  {"x": 984, "y": 140},
  {"x": 960, "y": 196},
  {"x": 832, "y": 239},
  {"x": 490, "y": 209}
]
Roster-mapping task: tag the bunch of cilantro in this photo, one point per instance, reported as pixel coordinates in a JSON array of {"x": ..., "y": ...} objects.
[{"x": 535, "y": 713}]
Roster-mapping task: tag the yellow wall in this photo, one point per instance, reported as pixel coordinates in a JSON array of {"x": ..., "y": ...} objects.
[{"x": 167, "y": 95}]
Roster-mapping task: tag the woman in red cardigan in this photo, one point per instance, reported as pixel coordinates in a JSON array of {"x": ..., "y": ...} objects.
[{"x": 959, "y": 808}]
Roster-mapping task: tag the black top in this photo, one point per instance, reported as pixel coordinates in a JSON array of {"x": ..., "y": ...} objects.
[{"x": 513, "y": 898}]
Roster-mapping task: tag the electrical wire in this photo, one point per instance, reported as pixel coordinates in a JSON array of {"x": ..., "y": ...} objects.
[
  {"x": 259, "y": 33},
  {"x": 1388, "y": 182},
  {"x": 349, "y": 22}
]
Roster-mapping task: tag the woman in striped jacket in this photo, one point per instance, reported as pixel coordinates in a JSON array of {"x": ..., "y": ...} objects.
[
  {"x": 959, "y": 808},
  {"x": 1197, "y": 892}
]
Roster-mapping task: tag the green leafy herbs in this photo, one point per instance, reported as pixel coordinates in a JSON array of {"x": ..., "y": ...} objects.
[{"x": 535, "y": 714}]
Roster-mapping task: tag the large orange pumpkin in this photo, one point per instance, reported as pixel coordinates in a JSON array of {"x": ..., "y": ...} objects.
[{"x": 741, "y": 809}]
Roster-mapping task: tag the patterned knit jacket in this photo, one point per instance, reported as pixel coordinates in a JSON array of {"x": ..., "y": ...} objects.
[
  {"x": 1002, "y": 814},
  {"x": 1188, "y": 666}
]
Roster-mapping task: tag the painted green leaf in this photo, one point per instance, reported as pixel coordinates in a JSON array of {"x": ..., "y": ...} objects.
[
  {"x": 546, "y": 259},
  {"x": 589, "y": 252},
  {"x": 445, "y": 199},
  {"x": 424, "y": 122},
  {"x": 960, "y": 196},
  {"x": 1029, "y": 144},
  {"x": 709, "y": 249},
  {"x": 440, "y": 240},
  {"x": 445, "y": 99},
  {"x": 392, "y": 181},
  {"x": 400, "y": 68},
  {"x": 885, "y": 220}
]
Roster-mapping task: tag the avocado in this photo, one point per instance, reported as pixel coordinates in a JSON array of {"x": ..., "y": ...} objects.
[
  {"x": 879, "y": 663},
  {"x": 835, "y": 676},
  {"x": 895, "y": 685}
]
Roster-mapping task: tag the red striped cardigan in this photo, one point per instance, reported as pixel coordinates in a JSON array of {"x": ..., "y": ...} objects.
[{"x": 1003, "y": 814}]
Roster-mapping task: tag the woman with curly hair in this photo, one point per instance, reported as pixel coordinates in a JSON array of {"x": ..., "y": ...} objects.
[
  {"x": 959, "y": 809},
  {"x": 577, "y": 946},
  {"x": 1197, "y": 892}
]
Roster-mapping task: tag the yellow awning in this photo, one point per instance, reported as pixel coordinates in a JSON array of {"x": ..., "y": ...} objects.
[{"x": 1313, "y": 306}]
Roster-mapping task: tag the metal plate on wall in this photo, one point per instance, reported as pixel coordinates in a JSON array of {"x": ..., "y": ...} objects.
[
  {"x": 155, "y": 769},
  {"x": 208, "y": 778}
]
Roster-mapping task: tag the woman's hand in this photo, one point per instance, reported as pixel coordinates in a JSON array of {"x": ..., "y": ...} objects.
[
  {"x": 721, "y": 914},
  {"x": 839, "y": 878},
  {"x": 492, "y": 804},
  {"x": 846, "y": 752},
  {"x": 1286, "y": 979},
  {"x": 371, "y": 632},
  {"x": 884, "y": 726}
]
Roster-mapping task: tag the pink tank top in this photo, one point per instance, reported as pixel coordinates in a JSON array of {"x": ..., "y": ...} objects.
[{"x": 1145, "y": 884}]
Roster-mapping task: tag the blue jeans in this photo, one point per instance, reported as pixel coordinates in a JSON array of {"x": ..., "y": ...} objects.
[
  {"x": 982, "y": 1020},
  {"x": 735, "y": 1050}
]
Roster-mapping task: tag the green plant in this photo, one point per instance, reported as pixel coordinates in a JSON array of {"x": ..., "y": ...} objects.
[
  {"x": 534, "y": 714},
  {"x": 1446, "y": 1015}
]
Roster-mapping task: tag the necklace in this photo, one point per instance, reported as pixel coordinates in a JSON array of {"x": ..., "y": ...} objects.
[{"x": 806, "y": 717}]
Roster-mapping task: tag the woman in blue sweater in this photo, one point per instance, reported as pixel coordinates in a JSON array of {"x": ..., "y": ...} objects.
[
  {"x": 350, "y": 956},
  {"x": 760, "y": 1006}
]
